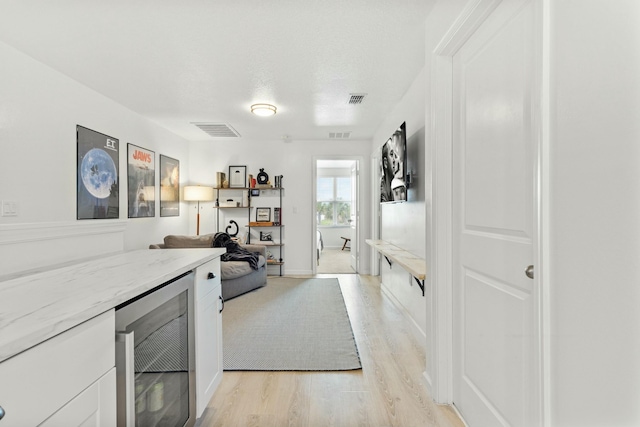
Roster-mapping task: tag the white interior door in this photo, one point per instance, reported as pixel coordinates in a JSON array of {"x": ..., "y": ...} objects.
[
  {"x": 354, "y": 217},
  {"x": 495, "y": 303}
]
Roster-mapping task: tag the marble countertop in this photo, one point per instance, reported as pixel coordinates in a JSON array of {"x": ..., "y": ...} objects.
[{"x": 38, "y": 306}]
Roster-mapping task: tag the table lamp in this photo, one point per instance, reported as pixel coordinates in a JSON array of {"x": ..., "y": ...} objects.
[{"x": 198, "y": 193}]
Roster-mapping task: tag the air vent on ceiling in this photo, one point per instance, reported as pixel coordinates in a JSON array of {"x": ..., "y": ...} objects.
[
  {"x": 218, "y": 130},
  {"x": 356, "y": 98},
  {"x": 339, "y": 135}
]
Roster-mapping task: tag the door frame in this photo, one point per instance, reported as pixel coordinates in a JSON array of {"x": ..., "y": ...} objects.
[
  {"x": 441, "y": 230},
  {"x": 314, "y": 212}
]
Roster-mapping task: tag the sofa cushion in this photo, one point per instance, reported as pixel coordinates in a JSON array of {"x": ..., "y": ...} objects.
[
  {"x": 174, "y": 241},
  {"x": 235, "y": 269}
]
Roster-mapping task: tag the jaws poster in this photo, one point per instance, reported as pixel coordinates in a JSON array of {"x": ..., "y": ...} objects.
[{"x": 141, "y": 190}]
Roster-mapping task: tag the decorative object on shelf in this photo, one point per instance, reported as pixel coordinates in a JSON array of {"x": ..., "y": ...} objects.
[
  {"x": 261, "y": 224},
  {"x": 253, "y": 182},
  {"x": 263, "y": 214},
  {"x": 97, "y": 175},
  {"x": 237, "y": 176},
  {"x": 245, "y": 198},
  {"x": 221, "y": 177},
  {"x": 263, "y": 177},
  {"x": 198, "y": 193},
  {"x": 230, "y": 203},
  {"x": 232, "y": 222},
  {"x": 141, "y": 178},
  {"x": 169, "y": 186},
  {"x": 263, "y": 110},
  {"x": 266, "y": 236},
  {"x": 279, "y": 181},
  {"x": 276, "y": 216},
  {"x": 255, "y": 192},
  {"x": 250, "y": 181}
]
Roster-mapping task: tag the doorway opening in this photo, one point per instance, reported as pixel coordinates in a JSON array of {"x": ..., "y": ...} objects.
[{"x": 336, "y": 216}]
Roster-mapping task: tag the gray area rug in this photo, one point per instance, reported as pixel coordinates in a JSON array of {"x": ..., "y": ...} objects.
[{"x": 289, "y": 325}]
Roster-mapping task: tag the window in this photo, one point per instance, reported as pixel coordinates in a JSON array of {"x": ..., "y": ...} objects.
[{"x": 333, "y": 201}]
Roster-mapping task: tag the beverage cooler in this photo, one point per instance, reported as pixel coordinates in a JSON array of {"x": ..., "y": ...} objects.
[{"x": 155, "y": 357}]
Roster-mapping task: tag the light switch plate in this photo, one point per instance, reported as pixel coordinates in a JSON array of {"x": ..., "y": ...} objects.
[{"x": 9, "y": 208}]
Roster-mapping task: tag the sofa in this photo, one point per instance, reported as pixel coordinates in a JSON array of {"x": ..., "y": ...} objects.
[{"x": 237, "y": 277}]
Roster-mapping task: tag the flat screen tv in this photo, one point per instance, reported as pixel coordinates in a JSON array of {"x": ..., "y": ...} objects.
[{"x": 393, "y": 163}]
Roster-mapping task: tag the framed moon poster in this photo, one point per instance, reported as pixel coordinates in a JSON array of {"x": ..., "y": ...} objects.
[
  {"x": 141, "y": 176},
  {"x": 169, "y": 186},
  {"x": 97, "y": 175}
]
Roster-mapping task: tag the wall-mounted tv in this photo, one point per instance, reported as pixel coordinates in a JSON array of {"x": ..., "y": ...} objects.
[{"x": 393, "y": 163}]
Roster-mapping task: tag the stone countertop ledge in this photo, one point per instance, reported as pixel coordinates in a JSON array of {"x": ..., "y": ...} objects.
[{"x": 38, "y": 306}]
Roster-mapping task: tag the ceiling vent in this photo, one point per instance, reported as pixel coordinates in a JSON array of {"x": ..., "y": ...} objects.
[
  {"x": 218, "y": 130},
  {"x": 356, "y": 98},
  {"x": 339, "y": 135}
]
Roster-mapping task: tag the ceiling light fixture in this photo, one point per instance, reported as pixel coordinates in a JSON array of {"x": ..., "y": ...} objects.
[{"x": 263, "y": 109}]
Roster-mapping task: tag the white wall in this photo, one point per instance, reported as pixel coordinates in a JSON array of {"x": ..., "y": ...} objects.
[
  {"x": 595, "y": 213},
  {"x": 401, "y": 223},
  {"x": 294, "y": 160},
  {"x": 39, "y": 111}
]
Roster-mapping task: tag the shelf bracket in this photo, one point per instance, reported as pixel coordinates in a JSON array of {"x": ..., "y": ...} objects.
[
  {"x": 420, "y": 283},
  {"x": 388, "y": 260}
]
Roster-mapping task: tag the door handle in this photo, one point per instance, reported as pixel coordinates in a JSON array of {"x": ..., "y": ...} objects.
[{"x": 529, "y": 272}]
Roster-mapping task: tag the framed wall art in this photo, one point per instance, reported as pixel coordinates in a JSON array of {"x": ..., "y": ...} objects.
[
  {"x": 263, "y": 214},
  {"x": 141, "y": 175},
  {"x": 237, "y": 176},
  {"x": 98, "y": 186},
  {"x": 169, "y": 186}
]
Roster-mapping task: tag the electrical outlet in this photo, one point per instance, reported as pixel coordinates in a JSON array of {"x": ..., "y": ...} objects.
[{"x": 9, "y": 208}]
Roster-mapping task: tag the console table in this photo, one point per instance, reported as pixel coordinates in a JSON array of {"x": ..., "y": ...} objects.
[{"x": 415, "y": 265}]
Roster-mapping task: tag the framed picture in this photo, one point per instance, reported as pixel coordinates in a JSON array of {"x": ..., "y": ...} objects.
[
  {"x": 141, "y": 176},
  {"x": 237, "y": 176},
  {"x": 263, "y": 214},
  {"x": 169, "y": 186},
  {"x": 97, "y": 173},
  {"x": 266, "y": 236},
  {"x": 255, "y": 192}
]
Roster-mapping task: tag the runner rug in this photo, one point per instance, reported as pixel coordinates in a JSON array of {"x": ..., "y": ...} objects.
[{"x": 289, "y": 325}]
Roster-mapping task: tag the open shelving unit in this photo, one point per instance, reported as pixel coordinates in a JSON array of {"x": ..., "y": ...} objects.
[{"x": 275, "y": 226}]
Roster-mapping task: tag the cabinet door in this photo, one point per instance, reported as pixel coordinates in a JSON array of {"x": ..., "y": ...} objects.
[
  {"x": 40, "y": 381},
  {"x": 94, "y": 407},
  {"x": 208, "y": 336}
]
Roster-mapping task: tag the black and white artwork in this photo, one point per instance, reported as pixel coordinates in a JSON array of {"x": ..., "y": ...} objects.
[{"x": 393, "y": 187}]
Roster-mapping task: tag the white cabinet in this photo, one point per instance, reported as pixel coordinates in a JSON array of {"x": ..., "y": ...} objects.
[
  {"x": 51, "y": 383},
  {"x": 208, "y": 308},
  {"x": 94, "y": 407}
]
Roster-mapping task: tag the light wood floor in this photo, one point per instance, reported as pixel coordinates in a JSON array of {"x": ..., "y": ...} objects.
[{"x": 388, "y": 391}]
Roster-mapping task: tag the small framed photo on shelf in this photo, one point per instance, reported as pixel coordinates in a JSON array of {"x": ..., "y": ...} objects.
[
  {"x": 255, "y": 192},
  {"x": 263, "y": 214},
  {"x": 237, "y": 176},
  {"x": 266, "y": 236}
]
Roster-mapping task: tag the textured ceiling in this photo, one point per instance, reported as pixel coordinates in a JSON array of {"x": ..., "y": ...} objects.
[{"x": 207, "y": 61}]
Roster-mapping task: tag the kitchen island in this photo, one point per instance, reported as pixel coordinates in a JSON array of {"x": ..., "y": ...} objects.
[{"x": 59, "y": 323}]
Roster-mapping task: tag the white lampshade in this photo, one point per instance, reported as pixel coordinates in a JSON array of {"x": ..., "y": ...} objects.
[{"x": 198, "y": 193}]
